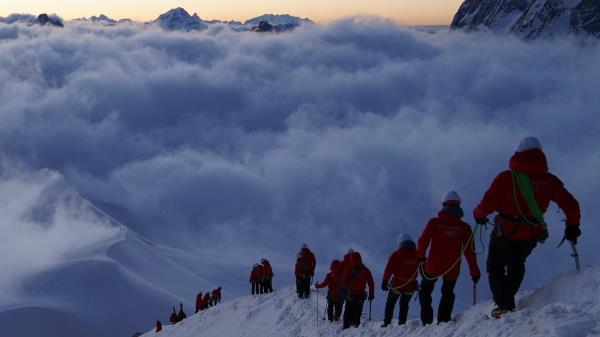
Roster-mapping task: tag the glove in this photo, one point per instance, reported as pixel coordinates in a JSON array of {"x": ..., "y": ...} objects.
[
  {"x": 482, "y": 221},
  {"x": 475, "y": 278},
  {"x": 384, "y": 285},
  {"x": 371, "y": 297},
  {"x": 572, "y": 232},
  {"x": 422, "y": 259}
]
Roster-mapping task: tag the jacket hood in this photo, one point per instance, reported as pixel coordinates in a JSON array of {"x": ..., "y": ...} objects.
[
  {"x": 356, "y": 260},
  {"x": 529, "y": 162},
  {"x": 334, "y": 265}
]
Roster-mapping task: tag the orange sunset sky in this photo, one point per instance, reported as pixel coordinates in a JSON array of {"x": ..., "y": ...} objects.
[{"x": 412, "y": 12}]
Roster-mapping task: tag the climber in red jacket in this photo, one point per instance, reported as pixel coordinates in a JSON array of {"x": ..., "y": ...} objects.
[
  {"x": 341, "y": 270},
  {"x": 206, "y": 301},
  {"x": 400, "y": 278},
  {"x": 199, "y": 302},
  {"x": 256, "y": 277},
  {"x": 334, "y": 293},
  {"x": 267, "y": 283},
  {"x": 173, "y": 318},
  {"x": 345, "y": 264},
  {"x": 356, "y": 278},
  {"x": 158, "y": 326},
  {"x": 216, "y": 296},
  {"x": 521, "y": 196},
  {"x": 304, "y": 271},
  {"x": 447, "y": 238}
]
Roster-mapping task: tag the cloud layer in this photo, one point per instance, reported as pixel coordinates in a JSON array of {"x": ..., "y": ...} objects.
[{"x": 340, "y": 135}]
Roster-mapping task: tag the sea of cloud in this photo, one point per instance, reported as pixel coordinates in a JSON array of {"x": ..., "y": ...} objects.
[{"x": 339, "y": 136}]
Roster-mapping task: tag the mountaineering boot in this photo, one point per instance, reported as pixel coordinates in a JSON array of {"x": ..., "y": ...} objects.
[
  {"x": 498, "y": 312},
  {"x": 385, "y": 325}
]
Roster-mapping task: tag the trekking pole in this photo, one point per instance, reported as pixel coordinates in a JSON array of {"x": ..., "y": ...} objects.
[
  {"x": 370, "y": 302},
  {"x": 474, "y": 293},
  {"x": 317, "y": 307}
]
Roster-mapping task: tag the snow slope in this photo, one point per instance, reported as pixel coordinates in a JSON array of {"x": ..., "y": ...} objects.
[
  {"x": 569, "y": 306},
  {"x": 77, "y": 271}
]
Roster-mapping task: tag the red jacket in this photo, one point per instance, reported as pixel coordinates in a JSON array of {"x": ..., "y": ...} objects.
[
  {"x": 358, "y": 276},
  {"x": 547, "y": 187},
  {"x": 257, "y": 274},
  {"x": 344, "y": 265},
  {"x": 216, "y": 294},
  {"x": 448, "y": 236},
  {"x": 305, "y": 263},
  {"x": 158, "y": 326},
  {"x": 402, "y": 268},
  {"x": 206, "y": 299},
  {"x": 268, "y": 270},
  {"x": 198, "y": 301},
  {"x": 333, "y": 281}
]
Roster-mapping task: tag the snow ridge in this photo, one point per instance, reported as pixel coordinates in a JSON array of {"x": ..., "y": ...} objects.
[
  {"x": 566, "y": 307},
  {"x": 530, "y": 18}
]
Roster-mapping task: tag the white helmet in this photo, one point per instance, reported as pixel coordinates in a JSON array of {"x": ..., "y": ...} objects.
[
  {"x": 451, "y": 197},
  {"x": 529, "y": 143},
  {"x": 403, "y": 237}
]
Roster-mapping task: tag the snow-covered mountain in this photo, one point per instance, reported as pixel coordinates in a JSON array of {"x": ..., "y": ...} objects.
[
  {"x": 530, "y": 18},
  {"x": 103, "y": 19},
  {"x": 76, "y": 270},
  {"x": 179, "y": 19},
  {"x": 278, "y": 19},
  {"x": 280, "y": 22},
  {"x": 569, "y": 306}
]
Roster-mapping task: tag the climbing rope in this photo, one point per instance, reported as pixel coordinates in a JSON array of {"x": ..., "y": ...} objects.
[{"x": 470, "y": 241}]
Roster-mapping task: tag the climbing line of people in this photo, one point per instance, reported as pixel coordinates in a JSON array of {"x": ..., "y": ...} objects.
[
  {"x": 261, "y": 277},
  {"x": 210, "y": 299},
  {"x": 519, "y": 196}
]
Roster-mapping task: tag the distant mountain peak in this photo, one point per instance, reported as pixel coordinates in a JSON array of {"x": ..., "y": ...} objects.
[
  {"x": 278, "y": 19},
  {"x": 179, "y": 19},
  {"x": 276, "y": 23},
  {"x": 103, "y": 19},
  {"x": 52, "y": 20}
]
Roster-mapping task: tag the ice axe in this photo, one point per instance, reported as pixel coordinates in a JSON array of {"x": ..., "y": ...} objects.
[{"x": 574, "y": 253}]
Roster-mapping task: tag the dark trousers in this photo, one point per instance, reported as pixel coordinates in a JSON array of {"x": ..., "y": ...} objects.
[
  {"x": 506, "y": 268},
  {"x": 353, "y": 310},
  {"x": 391, "y": 303},
  {"x": 334, "y": 308},
  {"x": 267, "y": 285},
  {"x": 446, "y": 302},
  {"x": 303, "y": 285},
  {"x": 256, "y": 288}
]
